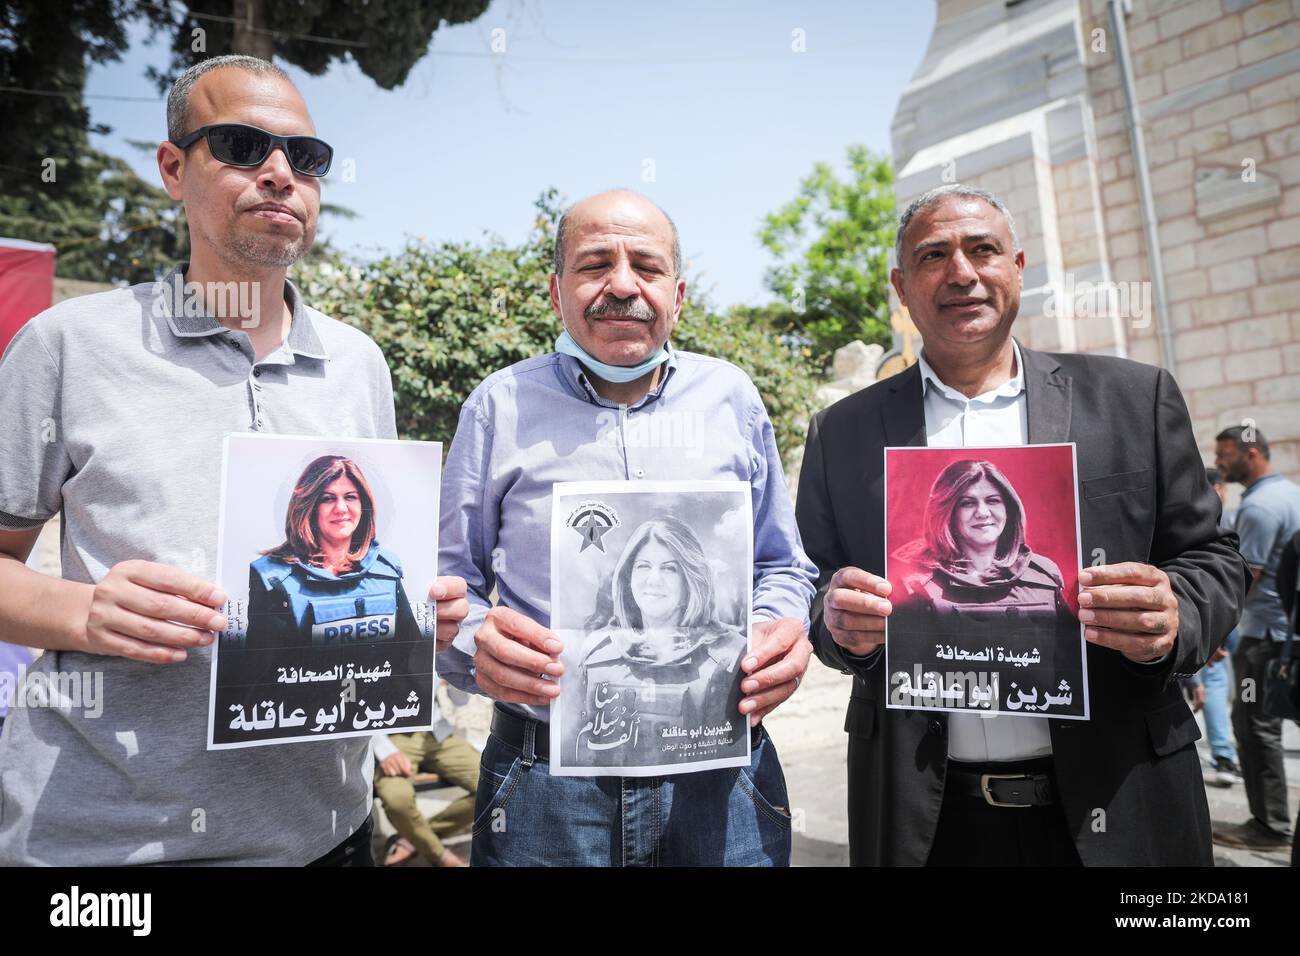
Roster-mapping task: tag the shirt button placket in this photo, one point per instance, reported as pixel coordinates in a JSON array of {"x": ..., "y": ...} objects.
[
  {"x": 255, "y": 386},
  {"x": 630, "y": 425}
]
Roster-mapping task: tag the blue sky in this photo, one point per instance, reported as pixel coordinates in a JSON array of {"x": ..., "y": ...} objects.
[{"x": 587, "y": 96}]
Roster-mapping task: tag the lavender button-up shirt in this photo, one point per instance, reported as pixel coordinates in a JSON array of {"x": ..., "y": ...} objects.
[{"x": 540, "y": 421}]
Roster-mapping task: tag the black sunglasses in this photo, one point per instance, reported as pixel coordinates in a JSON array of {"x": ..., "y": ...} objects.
[{"x": 237, "y": 144}]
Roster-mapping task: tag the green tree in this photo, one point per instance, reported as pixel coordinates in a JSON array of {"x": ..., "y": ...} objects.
[
  {"x": 44, "y": 52},
  {"x": 448, "y": 315},
  {"x": 108, "y": 223},
  {"x": 116, "y": 228},
  {"x": 832, "y": 244},
  {"x": 385, "y": 38},
  {"x": 51, "y": 181}
]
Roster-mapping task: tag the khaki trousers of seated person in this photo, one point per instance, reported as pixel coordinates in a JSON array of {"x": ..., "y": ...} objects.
[{"x": 456, "y": 762}]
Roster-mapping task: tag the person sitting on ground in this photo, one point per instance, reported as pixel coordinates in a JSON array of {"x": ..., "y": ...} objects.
[{"x": 398, "y": 758}]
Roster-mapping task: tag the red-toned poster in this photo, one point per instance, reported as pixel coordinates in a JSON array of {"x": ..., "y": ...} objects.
[
  {"x": 982, "y": 549},
  {"x": 26, "y": 284}
]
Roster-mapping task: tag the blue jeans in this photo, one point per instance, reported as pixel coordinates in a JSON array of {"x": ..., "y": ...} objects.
[
  {"x": 1217, "y": 679},
  {"x": 523, "y": 816}
]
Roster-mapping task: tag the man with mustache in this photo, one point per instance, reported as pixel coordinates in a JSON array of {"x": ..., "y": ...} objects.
[
  {"x": 1123, "y": 788},
  {"x": 114, "y": 409},
  {"x": 571, "y": 415}
]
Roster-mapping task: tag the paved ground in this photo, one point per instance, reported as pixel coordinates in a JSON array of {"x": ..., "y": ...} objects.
[
  {"x": 809, "y": 734},
  {"x": 1229, "y": 805}
]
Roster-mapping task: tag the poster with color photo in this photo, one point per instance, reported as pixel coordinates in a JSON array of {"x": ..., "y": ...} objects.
[
  {"x": 327, "y": 549},
  {"x": 982, "y": 551}
]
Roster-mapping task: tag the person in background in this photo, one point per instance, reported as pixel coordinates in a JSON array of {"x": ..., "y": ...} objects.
[
  {"x": 398, "y": 758},
  {"x": 1288, "y": 590},
  {"x": 1209, "y": 689},
  {"x": 1268, "y": 518}
]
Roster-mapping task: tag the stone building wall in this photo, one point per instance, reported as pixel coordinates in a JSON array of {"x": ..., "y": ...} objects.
[{"x": 1025, "y": 99}]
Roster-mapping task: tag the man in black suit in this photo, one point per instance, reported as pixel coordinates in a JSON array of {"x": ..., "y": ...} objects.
[{"x": 1162, "y": 592}]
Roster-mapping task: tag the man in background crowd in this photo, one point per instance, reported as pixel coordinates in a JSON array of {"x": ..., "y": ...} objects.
[
  {"x": 1268, "y": 518},
  {"x": 1209, "y": 688}
]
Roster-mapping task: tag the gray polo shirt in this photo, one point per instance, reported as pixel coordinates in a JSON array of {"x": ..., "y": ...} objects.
[
  {"x": 1268, "y": 518},
  {"x": 112, "y": 412}
]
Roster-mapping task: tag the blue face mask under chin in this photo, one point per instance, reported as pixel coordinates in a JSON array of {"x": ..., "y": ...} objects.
[{"x": 567, "y": 345}]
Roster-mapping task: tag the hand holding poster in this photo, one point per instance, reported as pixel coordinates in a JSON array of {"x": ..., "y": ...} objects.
[
  {"x": 651, "y": 592},
  {"x": 327, "y": 549},
  {"x": 982, "y": 552}
]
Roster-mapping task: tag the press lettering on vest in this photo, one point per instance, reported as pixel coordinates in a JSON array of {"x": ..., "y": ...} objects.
[{"x": 355, "y": 629}]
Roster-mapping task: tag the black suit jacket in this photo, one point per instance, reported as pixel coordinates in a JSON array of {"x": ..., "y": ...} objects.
[{"x": 1129, "y": 778}]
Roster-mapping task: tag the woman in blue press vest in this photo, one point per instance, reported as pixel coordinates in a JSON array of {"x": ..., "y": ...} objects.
[
  {"x": 663, "y": 658},
  {"x": 329, "y": 582}
]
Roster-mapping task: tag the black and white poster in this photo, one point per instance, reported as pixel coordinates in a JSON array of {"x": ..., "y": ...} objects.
[
  {"x": 327, "y": 549},
  {"x": 982, "y": 549},
  {"x": 651, "y": 594}
]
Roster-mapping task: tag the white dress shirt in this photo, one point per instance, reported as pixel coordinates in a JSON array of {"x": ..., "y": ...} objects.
[{"x": 997, "y": 417}]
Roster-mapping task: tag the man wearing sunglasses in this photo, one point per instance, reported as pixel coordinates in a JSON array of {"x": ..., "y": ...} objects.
[{"x": 114, "y": 407}]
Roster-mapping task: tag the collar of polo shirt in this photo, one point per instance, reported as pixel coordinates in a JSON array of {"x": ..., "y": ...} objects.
[
  {"x": 1013, "y": 386},
  {"x": 302, "y": 341}
]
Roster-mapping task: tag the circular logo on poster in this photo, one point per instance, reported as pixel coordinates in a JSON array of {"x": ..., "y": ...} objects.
[{"x": 593, "y": 520}]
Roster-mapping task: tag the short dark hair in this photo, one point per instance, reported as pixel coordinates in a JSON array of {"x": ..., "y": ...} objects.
[
  {"x": 1236, "y": 434},
  {"x": 563, "y": 227},
  {"x": 934, "y": 197},
  {"x": 1213, "y": 477},
  {"x": 178, "y": 99}
]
